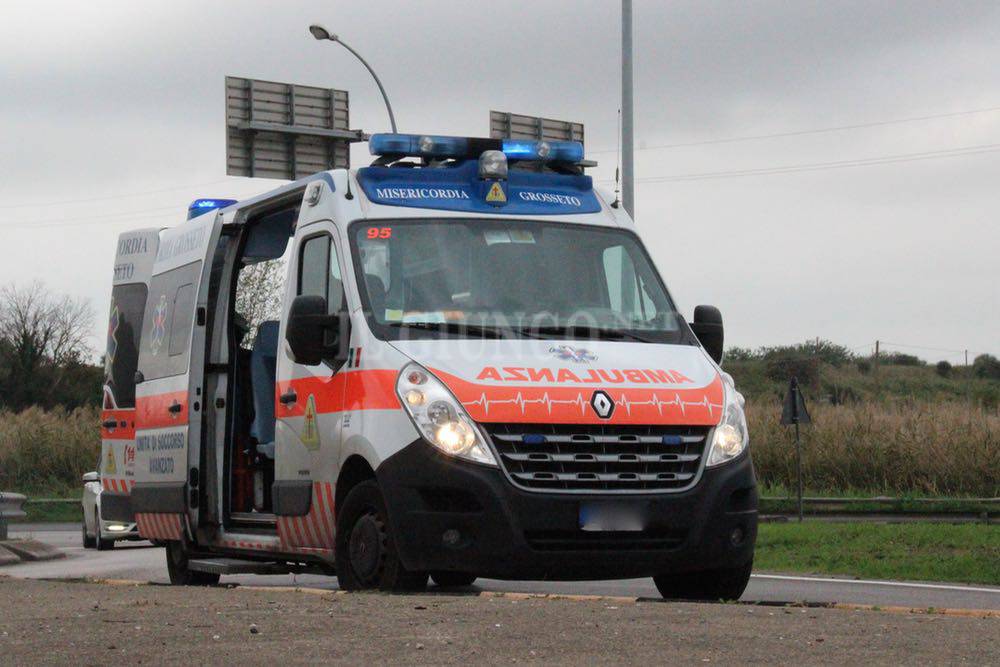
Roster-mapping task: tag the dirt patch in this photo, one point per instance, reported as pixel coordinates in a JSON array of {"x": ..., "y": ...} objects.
[{"x": 84, "y": 624}]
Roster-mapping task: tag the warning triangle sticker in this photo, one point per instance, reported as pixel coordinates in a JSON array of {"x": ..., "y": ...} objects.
[
  {"x": 496, "y": 194},
  {"x": 109, "y": 466},
  {"x": 310, "y": 429}
]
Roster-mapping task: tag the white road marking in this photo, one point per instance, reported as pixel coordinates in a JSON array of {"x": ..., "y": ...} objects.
[{"x": 873, "y": 582}]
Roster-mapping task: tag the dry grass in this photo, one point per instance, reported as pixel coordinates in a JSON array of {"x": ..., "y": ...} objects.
[
  {"x": 45, "y": 453},
  {"x": 945, "y": 448}
]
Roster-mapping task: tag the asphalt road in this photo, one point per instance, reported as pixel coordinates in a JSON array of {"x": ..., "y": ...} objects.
[{"x": 144, "y": 562}]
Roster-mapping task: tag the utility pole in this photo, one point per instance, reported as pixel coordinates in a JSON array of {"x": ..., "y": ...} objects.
[{"x": 628, "y": 149}]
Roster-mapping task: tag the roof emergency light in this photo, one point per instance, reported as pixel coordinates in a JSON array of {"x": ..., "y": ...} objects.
[
  {"x": 199, "y": 206},
  {"x": 430, "y": 146}
]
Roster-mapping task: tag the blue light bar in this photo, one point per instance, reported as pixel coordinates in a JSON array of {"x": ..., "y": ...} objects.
[
  {"x": 423, "y": 145},
  {"x": 543, "y": 151},
  {"x": 199, "y": 206},
  {"x": 432, "y": 146}
]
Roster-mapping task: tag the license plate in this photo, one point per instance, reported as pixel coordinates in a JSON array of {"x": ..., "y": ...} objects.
[{"x": 612, "y": 516}]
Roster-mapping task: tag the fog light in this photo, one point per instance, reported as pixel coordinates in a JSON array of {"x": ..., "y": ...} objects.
[
  {"x": 116, "y": 528},
  {"x": 451, "y": 537}
]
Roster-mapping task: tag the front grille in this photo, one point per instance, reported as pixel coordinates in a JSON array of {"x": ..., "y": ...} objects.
[
  {"x": 578, "y": 540},
  {"x": 597, "y": 458}
]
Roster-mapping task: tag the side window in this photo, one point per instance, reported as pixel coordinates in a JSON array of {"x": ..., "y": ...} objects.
[
  {"x": 319, "y": 272},
  {"x": 626, "y": 296},
  {"x": 166, "y": 328},
  {"x": 122, "y": 355},
  {"x": 181, "y": 319}
]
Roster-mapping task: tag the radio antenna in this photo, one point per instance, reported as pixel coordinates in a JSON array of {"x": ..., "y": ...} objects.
[{"x": 618, "y": 164}]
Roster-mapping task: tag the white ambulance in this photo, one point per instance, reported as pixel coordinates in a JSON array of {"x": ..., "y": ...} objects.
[{"x": 442, "y": 365}]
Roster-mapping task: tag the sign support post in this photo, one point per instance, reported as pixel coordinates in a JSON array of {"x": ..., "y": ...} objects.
[{"x": 794, "y": 413}]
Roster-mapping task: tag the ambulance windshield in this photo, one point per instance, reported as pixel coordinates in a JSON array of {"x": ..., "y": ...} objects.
[{"x": 517, "y": 279}]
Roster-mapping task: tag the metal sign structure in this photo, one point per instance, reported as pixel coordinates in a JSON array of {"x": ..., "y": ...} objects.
[
  {"x": 506, "y": 125},
  {"x": 285, "y": 130}
]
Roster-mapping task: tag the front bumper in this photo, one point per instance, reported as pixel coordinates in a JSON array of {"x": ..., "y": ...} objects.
[{"x": 507, "y": 533}]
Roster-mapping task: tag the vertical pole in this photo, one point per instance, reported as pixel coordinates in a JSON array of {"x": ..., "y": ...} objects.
[
  {"x": 628, "y": 149},
  {"x": 798, "y": 464},
  {"x": 966, "y": 357},
  {"x": 798, "y": 442},
  {"x": 876, "y": 356}
]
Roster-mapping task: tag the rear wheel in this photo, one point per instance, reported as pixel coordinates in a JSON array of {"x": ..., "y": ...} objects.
[
  {"x": 366, "y": 556},
  {"x": 180, "y": 574},
  {"x": 723, "y": 584},
  {"x": 101, "y": 543},
  {"x": 453, "y": 579}
]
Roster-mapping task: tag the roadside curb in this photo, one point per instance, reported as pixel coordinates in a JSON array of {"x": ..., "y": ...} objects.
[
  {"x": 616, "y": 599},
  {"x": 926, "y": 611},
  {"x": 559, "y": 596},
  {"x": 31, "y": 550},
  {"x": 7, "y": 557}
]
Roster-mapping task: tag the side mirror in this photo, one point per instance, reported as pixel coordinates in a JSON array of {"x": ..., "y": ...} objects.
[
  {"x": 91, "y": 477},
  {"x": 311, "y": 332},
  {"x": 707, "y": 326}
]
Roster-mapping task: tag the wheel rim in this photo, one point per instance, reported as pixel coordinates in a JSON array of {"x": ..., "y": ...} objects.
[{"x": 366, "y": 548}]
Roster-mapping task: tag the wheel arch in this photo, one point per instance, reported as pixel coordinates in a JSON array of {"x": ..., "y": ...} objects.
[{"x": 355, "y": 470}]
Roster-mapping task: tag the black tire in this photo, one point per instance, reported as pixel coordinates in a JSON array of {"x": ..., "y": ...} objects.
[
  {"x": 88, "y": 541},
  {"x": 453, "y": 579},
  {"x": 725, "y": 584},
  {"x": 177, "y": 568},
  {"x": 101, "y": 543},
  {"x": 366, "y": 556}
]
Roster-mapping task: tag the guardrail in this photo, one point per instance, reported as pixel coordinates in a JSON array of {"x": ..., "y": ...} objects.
[
  {"x": 11, "y": 507},
  {"x": 954, "y": 510}
]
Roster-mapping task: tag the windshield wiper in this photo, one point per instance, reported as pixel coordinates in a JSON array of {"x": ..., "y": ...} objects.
[
  {"x": 451, "y": 328},
  {"x": 584, "y": 331}
]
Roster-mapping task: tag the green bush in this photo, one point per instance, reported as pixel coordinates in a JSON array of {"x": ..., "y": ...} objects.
[
  {"x": 986, "y": 366},
  {"x": 943, "y": 368}
]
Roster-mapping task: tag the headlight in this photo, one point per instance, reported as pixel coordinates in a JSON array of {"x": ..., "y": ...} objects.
[
  {"x": 439, "y": 417},
  {"x": 731, "y": 436}
]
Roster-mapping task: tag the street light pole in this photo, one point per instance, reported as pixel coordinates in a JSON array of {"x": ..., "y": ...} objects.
[
  {"x": 321, "y": 33},
  {"x": 628, "y": 149}
]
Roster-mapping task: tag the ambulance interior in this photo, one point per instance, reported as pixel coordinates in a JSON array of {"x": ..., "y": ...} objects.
[{"x": 254, "y": 312}]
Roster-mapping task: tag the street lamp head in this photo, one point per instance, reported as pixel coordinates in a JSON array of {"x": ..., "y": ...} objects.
[{"x": 319, "y": 32}]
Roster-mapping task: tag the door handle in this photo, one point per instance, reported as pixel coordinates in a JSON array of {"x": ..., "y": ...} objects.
[
  {"x": 175, "y": 407},
  {"x": 109, "y": 423},
  {"x": 288, "y": 397}
]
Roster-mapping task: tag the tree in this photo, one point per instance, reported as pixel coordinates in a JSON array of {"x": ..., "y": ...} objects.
[
  {"x": 986, "y": 366},
  {"x": 43, "y": 348},
  {"x": 259, "y": 291}
]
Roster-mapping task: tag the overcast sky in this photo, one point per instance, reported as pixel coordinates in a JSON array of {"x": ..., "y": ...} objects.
[{"x": 121, "y": 103}]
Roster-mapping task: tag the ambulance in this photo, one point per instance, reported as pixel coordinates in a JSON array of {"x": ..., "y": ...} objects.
[{"x": 457, "y": 362}]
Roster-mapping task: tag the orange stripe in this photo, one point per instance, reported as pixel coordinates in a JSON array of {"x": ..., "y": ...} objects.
[
  {"x": 126, "y": 432},
  {"x": 152, "y": 411},
  {"x": 347, "y": 390}
]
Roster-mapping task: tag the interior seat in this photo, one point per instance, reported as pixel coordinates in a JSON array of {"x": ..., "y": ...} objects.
[{"x": 263, "y": 371}]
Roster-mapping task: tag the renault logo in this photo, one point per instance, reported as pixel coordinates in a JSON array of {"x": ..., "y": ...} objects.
[{"x": 602, "y": 404}]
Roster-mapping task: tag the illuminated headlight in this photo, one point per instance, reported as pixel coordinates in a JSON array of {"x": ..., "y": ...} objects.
[
  {"x": 439, "y": 417},
  {"x": 116, "y": 528},
  {"x": 731, "y": 436}
]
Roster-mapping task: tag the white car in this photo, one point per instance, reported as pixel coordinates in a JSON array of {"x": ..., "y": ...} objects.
[{"x": 97, "y": 532}]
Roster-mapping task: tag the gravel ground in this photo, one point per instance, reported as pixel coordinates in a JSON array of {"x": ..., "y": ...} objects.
[{"x": 96, "y": 624}]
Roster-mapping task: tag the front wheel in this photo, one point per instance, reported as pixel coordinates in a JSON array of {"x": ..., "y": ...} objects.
[
  {"x": 366, "y": 556},
  {"x": 88, "y": 541},
  {"x": 101, "y": 543},
  {"x": 178, "y": 571},
  {"x": 722, "y": 584}
]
